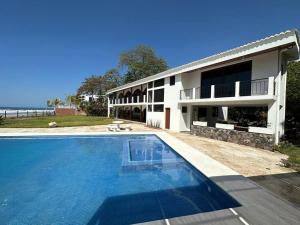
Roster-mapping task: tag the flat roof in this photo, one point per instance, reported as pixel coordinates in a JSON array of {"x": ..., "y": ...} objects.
[{"x": 271, "y": 42}]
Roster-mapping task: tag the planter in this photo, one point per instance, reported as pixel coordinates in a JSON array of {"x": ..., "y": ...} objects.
[
  {"x": 260, "y": 130},
  {"x": 239, "y": 128},
  {"x": 200, "y": 123},
  {"x": 225, "y": 126}
]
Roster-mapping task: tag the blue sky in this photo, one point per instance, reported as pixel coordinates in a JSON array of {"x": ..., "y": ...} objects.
[{"x": 48, "y": 47}]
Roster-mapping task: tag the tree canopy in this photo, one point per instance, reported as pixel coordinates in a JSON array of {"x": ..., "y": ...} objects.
[
  {"x": 292, "y": 124},
  {"x": 98, "y": 85},
  {"x": 141, "y": 62}
]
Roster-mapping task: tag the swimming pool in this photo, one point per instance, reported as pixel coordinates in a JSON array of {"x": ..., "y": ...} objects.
[{"x": 115, "y": 180}]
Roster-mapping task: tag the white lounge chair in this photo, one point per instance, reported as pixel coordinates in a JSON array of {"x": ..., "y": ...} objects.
[
  {"x": 127, "y": 127},
  {"x": 112, "y": 127}
]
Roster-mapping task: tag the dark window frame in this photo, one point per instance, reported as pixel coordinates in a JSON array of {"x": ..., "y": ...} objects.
[
  {"x": 160, "y": 96},
  {"x": 158, "y": 108},
  {"x": 159, "y": 82},
  {"x": 172, "y": 80}
]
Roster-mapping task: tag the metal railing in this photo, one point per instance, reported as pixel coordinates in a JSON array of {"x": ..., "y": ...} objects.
[
  {"x": 128, "y": 100},
  {"x": 225, "y": 90},
  {"x": 25, "y": 113},
  {"x": 205, "y": 91},
  {"x": 264, "y": 86},
  {"x": 254, "y": 87},
  {"x": 186, "y": 94}
]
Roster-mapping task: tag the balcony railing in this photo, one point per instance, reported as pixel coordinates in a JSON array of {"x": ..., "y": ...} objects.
[
  {"x": 186, "y": 94},
  {"x": 128, "y": 100},
  {"x": 236, "y": 89}
]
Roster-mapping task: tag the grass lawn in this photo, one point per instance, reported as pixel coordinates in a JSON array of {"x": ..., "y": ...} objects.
[
  {"x": 293, "y": 151},
  {"x": 62, "y": 121}
]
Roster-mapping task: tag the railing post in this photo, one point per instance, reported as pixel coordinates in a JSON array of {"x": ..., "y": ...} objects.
[
  {"x": 138, "y": 98},
  {"x": 144, "y": 98},
  {"x": 127, "y": 100},
  {"x": 237, "y": 89},
  {"x": 194, "y": 93},
  {"x": 271, "y": 86},
  {"x": 132, "y": 99},
  {"x": 212, "y": 91}
]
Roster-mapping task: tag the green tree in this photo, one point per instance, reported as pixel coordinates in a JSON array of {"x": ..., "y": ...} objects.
[
  {"x": 57, "y": 102},
  {"x": 92, "y": 86},
  {"x": 50, "y": 103},
  {"x": 292, "y": 124},
  {"x": 141, "y": 62},
  {"x": 73, "y": 100},
  {"x": 98, "y": 85}
]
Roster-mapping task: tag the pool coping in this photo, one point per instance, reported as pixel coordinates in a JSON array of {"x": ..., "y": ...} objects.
[{"x": 204, "y": 163}]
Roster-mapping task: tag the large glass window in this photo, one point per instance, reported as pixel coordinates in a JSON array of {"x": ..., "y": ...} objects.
[
  {"x": 160, "y": 82},
  {"x": 150, "y": 96},
  {"x": 159, "y": 95},
  {"x": 224, "y": 80},
  {"x": 159, "y": 108}
]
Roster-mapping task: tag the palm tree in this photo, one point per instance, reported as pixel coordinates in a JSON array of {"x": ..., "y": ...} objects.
[{"x": 57, "y": 102}]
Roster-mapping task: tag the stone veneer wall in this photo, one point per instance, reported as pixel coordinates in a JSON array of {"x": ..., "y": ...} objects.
[{"x": 265, "y": 141}]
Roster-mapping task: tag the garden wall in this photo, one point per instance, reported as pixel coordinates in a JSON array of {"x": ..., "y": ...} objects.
[{"x": 264, "y": 141}]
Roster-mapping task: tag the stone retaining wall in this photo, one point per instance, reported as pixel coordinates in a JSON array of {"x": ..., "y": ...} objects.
[{"x": 265, "y": 141}]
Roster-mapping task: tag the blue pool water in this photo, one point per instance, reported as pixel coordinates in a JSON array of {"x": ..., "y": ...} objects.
[{"x": 105, "y": 180}]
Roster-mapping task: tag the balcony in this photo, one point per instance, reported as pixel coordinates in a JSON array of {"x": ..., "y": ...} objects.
[
  {"x": 248, "y": 91},
  {"x": 133, "y": 100}
]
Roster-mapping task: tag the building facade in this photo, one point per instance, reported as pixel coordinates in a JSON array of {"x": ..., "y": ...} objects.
[{"x": 240, "y": 89}]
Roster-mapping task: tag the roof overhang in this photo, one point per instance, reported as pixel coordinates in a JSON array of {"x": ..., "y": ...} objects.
[{"x": 288, "y": 39}]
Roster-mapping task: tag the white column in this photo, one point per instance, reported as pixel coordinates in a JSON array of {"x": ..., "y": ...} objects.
[
  {"x": 212, "y": 91},
  {"x": 194, "y": 93},
  {"x": 237, "y": 89},
  {"x": 127, "y": 100},
  {"x": 132, "y": 99},
  {"x": 138, "y": 98},
  {"x": 271, "y": 86},
  {"x": 144, "y": 98}
]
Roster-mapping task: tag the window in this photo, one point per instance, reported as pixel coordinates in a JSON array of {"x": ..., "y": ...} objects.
[
  {"x": 184, "y": 109},
  {"x": 150, "y": 84},
  {"x": 172, "y": 80},
  {"x": 160, "y": 82},
  {"x": 201, "y": 112},
  {"x": 215, "y": 111},
  {"x": 159, "y": 95},
  {"x": 224, "y": 79},
  {"x": 149, "y": 108},
  {"x": 159, "y": 108},
  {"x": 149, "y": 96}
]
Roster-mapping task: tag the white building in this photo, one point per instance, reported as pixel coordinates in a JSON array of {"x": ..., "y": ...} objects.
[
  {"x": 202, "y": 93},
  {"x": 88, "y": 98}
]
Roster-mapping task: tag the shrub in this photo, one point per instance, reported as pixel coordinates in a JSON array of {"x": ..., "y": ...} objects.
[
  {"x": 1, "y": 120},
  {"x": 97, "y": 108}
]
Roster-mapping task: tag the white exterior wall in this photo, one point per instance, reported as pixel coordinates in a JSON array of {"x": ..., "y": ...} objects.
[{"x": 264, "y": 65}]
